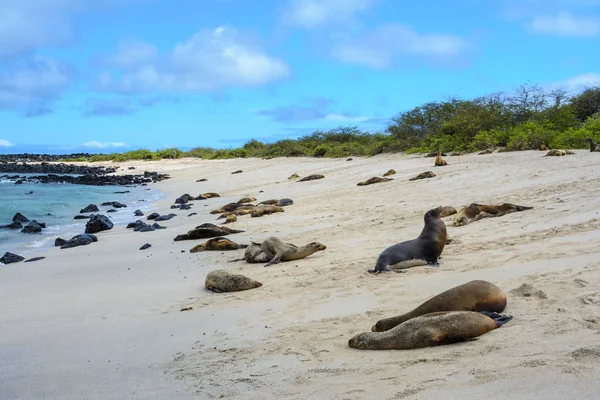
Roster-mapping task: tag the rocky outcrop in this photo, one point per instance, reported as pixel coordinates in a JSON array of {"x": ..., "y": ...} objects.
[
  {"x": 79, "y": 240},
  {"x": 98, "y": 223},
  {"x": 33, "y": 227},
  {"x": 90, "y": 208}
]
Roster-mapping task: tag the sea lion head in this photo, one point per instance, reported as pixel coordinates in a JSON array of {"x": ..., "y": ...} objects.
[
  {"x": 434, "y": 213},
  {"x": 361, "y": 341},
  {"x": 317, "y": 246}
]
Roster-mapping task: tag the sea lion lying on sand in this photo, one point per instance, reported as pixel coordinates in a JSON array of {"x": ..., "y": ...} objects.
[
  {"x": 390, "y": 172},
  {"x": 559, "y": 153},
  {"x": 218, "y": 243},
  {"x": 475, "y": 212},
  {"x": 224, "y": 281},
  {"x": 447, "y": 211},
  {"x": 311, "y": 178},
  {"x": 206, "y": 231},
  {"x": 373, "y": 180},
  {"x": 423, "y": 175},
  {"x": 259, "y": 211},
  {"x": 273, "y": 250}
]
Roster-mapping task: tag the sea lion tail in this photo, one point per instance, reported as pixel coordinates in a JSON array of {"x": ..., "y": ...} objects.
[
  {"x": 500, "y": 319},
  {"x": 523, "y": 208}
]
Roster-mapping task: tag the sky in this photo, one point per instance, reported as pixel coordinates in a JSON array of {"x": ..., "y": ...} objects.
[{"x": 118, "y": 75}]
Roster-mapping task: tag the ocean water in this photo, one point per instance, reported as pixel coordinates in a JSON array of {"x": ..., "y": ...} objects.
[{"x": 62, "y": 202}]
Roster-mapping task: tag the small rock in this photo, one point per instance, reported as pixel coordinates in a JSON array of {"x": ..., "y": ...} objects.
[
  {"x": 146, "y": 246},
  {"x": 9, "y": 258}
]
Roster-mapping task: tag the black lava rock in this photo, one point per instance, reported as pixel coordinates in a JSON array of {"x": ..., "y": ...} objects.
[
  {"x": 138, "y": 213},
  {"x": 146, "y": 246},
  {"x": 9, "y": 258},
  {"x": 90, "y": 208},
  {"x": 20, "y": 218},
  {"x": 98, "y": 223},
  {"x": 33, "y": 227}
]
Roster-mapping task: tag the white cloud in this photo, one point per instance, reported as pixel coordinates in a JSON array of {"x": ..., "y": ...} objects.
[
  {"x": 309, "y": 14},
  {"x": 5, "y": 143},
  {"x": 577, "y": 83},
  {"x": 134, "y": 52},
  {"x": 346, "y": 118},
  {"x": 100, "y": 145},
  {"x": 566, "y": 24},
  {"x": 209, "y": 60},
  {"x": 381, "y": 47}
]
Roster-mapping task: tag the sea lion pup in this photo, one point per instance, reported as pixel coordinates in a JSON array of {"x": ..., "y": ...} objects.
[
  {"x": 373, "y": 180},
  {"x": 447, "y": 211},
  {"x": 246, "y": 200},
  {"x": 432, "y": 329},
  {"x": 439, "y": 162},
  {"x": 558, "y": 153},
  {"x": 206, "y": 231},
  {"x": 259, "y": 211},
  {"x": 593, "y": 145},
  {"x": 484, "y": 152},
  {"x": 218, "y": 243},
  {"x": 271, "y": 202},
  {"x": 311, "y": 178},
  {"x": 423, "y": 175},
  {"x": 390, "y": 172},
  {"x": 293, "y": 176},
  {"x": 222, "y": 280},
  {"x": 239, "y": 171},
  {"x": 475, "y": 212},
  {"x": 230, "y": 219},
  {"x": 471, "y": 296},
  {"x": 273, "y": 250},
  {"x": 423, "y": 250}
]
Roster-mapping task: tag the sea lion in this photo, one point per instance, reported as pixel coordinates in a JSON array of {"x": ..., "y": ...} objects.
[
  {"x": 484, "y": 152},
  {"x": 285, "y": 202},
  {"x": 218, "y": 243},
  {"x": 390, "y": 172},
  {"x": 593, "y": 145},
  {"x": 471, "y": 296},
  {"x": 271, "y": 202},
  {"x": 273, "y": 250},
  {"x": 434, "y": 154},
  {"x": 447, "y": 211},
  {"x": 230, "y": 207},
  {"x": 423, "y": 250},
  {"x": 293, "y": 176},
  {"x": 259, "y": 211},
  {"x": 423, "y": 175},
  {"x": 349, "y": 159},
  {"x": 208, "y": 195},
  {"x": 239, "y": 171},
  {"x": 311, "y": 178},
  {"x": 457, "y": 153},
  {"x": 231, "y": 219},
  {"x": 222, "y": 280},
  {"x": 373, "y": 180},
  {"x": 434, "y": 329},
  {"x": 559, "y": 153},
  {"x": 475, "y": 212},
  {"x": 246, "y": 200},
  {"x": 542, "y": 146},
  {"x": 206, "y": 231},
  {"x": 201, "y": 180},
  {"x": 439, "y": 161},
  {"x": 238, "y": 212}
]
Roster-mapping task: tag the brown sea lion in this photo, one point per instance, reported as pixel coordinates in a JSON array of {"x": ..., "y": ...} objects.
[
  {"x": 273, "y": 250},
  {"x": 206, "y": 231},
  {"x": 434, "y": 329},
  {"x": 224, "y": 281},
  {"x": 230, "y": 219},
  {"x": 423, "y": 175},
  {"x": 447, "y": 211},
  {"x": 208, "y": 195},
  {"x": 424, "y": 250},
  {"x": 439, "y": 161},
  {"x": 271, "y": 202},
  {"x": 559, "y": 153},
  {"x": 471, "y": 296},
  {"x": 457, "y": 153},
  {"x": 218, "y": 243},
  {"x": 293, "y": 176},
  {"x": 593, "y": 145},
  {"x": 259, "y": 211},
  {"x": 238, "y": 211},
  {"x": 434, "y": 154},
  {"x": 246, "y": 200},
  {"x": 390, "y": 172},
  {"x": 239, "y": 171},
  {"x": 542, "y": 146},
  {"x": 484, "y": 152},
  {"x": 373, "y": 180},
  {"x": 475, "y": 212},
  {"x": 311, "y": 178},
  {"x": 230, "y": 207},
  {"x": 349, "y": 159},
  {"x": 201, "y": 180}
]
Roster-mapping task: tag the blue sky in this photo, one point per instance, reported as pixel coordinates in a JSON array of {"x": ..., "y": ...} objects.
[{"x": 127, "y": 74}]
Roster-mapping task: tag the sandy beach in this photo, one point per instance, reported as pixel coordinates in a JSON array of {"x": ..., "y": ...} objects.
[{"x": 103, "y": 321}]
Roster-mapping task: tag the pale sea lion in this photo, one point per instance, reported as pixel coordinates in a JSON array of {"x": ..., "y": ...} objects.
[
  {"x": 475, "y": 212},
  {"x": 293, "y": 176},
  {"x": 231, "y": 207},
  {"x": 439, "y": 161},
  {"x": 373, "y": 180},
  {"x": 424, "y": 250},
  {"x": 273, "y": 250},
  {"x": 246, "y": 200},
  {"x": 218, "y": 243},
  {"x": 434, "y": 329},
  {"x": 206, "y": 231},
  {"x": 423, "y": 175},
  {"x": 208, "y": 195},
  {"x": 390, "y": 172},
  {"x": 559, "y": 153},
  {"x": 471, "y": 296},
  {"x": 259, "y": 211},
  {"x": 230, "y": 219},
  {"x": 311, "y": 178},
  {"x": 224, "y": 281},
  {"x": 238, "y": 212},
  {"x": 447, "y": 211},
  {"x": 593, "y": 145}
]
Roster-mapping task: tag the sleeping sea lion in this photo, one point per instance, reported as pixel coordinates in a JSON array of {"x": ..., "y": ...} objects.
[
  {"x": 271, "y": 202},
  {"x": 424, "y": 250},
  {"x": 373, "y": 180},
  {"x": 293, "y": 176},
  {"x": 447, "y": 211},
  {"x": 390, "y": 172},
  {"x": 246, "y": 200},
  {"x": 206, "y": 231},
  {"x": 475, "y": 212},
  {"x": 311, "y": 178},
  {"x": 218, "y": 243},
  {"x": 273, "y": 250},
  {"x": 224, "y": 281},
  {"x": 559, "y": 153},
  {"x": 423, "y": 175},
  {"x": 259, "y": 211}
]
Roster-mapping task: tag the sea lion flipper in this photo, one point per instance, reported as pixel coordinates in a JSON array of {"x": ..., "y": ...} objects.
[
  {"x": 215, "y": 290},
  {"x": 274, "y": 260},
  {"x": 499, "y": 319},
  {"x": 237, "y": 259},
  {"x": 451, "y": 339}
]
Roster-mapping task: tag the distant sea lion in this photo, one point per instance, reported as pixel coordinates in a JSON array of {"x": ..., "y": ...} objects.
[
  {"x": 238, "y": 211},
  {"x": 208, "y": 195},
  {"x": 246, "y": 200},
  {"x": 390, "y": 172},
  {"x": 259, "y": 211},
  {"x": 542, "y": 146},
  {"x": 423, "y": 175},
  {"x": 285, "y": 202},
  {"x": 239, "y": 171},
  {"x": 423, "y": 250},
  {"x": 457, "y": 153},
  {"x": 373, "y": 180},
  {"x": 447, "y": 211},
  {"x": 224, "y": 281},
  {"x": 231, "y": 207},
  {"x": 471, "y": 296},
  {"x": 434, "y": 154},
  {"x": 439, "y": 161},
  {"x": 434, "y": 329},
  {"x": 218, "y": 243},
  {"x": 231, "y": 219},
  {"x": 311, "y": 178},
  {"x": 201, "y": 180},
  {"x": 206, "y": 231},
  {"x": 293, "y": 176},
  {"x": 558, "y": 153},
  {"x": 273, "y": 250},
  {"x": 271, "y": 202},
  {"x": 349, "y": 159},
  {"x": 484, "y": 152},
  {"x": 475, "y": 212},
  {"x": 593, "y": 145}
]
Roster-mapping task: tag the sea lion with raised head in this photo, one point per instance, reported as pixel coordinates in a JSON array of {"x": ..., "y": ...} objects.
[
  {"x": 224, "y": 281},
  {"x": 423, "y": 175},
  {"x": 218, "y": 243},
  {"x": 471, "y": 296},
  {"x": 273, "y": 250},
  {"x": 593, "y": 145},
  {"x": 373, "y": 180},
  {"x": 439, "y": 161},
  {"x": 433, "y": 329},
  {"x": 475, "y": 212},
  {"x": 424, "y": 250},
  {"x": 390, "y": 172},
  {"x": 311, "y": 178}
]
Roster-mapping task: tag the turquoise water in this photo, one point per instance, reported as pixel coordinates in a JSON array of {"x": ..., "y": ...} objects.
[{"x": 63, "y": 202}]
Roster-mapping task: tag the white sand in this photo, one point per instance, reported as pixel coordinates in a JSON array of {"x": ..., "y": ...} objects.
[{"x": 103, "y": 321}]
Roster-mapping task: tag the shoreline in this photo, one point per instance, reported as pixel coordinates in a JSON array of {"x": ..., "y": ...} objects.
[{"x": 104, "y": 311}]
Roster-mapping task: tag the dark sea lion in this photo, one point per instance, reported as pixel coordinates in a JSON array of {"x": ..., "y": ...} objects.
[
  {"x": 239, "y": 171},
  {"x": 218, "y": 243},
  {"x": 439, "y": 161},
  {"x": 484, "y": 152},
  {"x": 349, "y": 159},
  {"x": 434, "y": 329},
  {"x": 593, "y": 145},
  {"x": 206, "y": 231},
  {"x": 423, "y": 250},
  {"x": 285, "y": 202},
  {"x": 457, "y": 153},
  {"x": 471, "y": 296},
  {"x": 259, "y": 211},
  {"x": 447, "y": 211},
  {"x": 423, "y": 175},
  {"x": 475, "y": 212},
  {"x": 434, "y": 154},
  {"x": 273, "y": 250},
  {"x": 558, "y": 153},
  {"x": 390, "y": 172},
  {"x": 201, "y": 180},
  {"x": 373, "y": 180},
  {"x": 311, "y": 178},
  {"x": 224, "y": 281}
]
